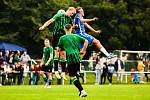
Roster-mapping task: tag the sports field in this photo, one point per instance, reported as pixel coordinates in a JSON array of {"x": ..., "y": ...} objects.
[{"x": 69, "y": 92}]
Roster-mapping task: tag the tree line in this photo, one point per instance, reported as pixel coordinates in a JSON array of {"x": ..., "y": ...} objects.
[{"x": 125, "y": 24}]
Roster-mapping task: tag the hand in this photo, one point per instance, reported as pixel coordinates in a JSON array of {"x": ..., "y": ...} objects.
[
  {"x": 95, "y": 18},
  {"x": 41, "y": 28},
  {"x": 46, "y": 64},
  {"x": 98, "y": 31}
]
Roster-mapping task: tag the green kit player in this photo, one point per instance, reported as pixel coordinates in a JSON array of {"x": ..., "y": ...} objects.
[
  {"x": 47, "y": 63},
  {"x": 61, "y": 19},
  {"x": 70, "y": 43}
]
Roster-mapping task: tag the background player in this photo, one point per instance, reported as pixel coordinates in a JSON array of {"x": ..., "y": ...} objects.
[{"x": 47, "y": 63}]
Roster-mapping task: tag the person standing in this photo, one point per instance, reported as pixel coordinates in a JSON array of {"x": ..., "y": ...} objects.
[
  {"x": 140, "y": 68},
  {"x": 70, "y": 43},
  {"x": 119, "y": 68},
  {"x": 47, "y": 63},
  {"x": 111, "y": 69}
]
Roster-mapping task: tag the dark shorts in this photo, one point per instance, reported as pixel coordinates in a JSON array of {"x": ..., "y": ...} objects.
[
  {"x": 46, "y": 68},
  {"x": 55, "y": 40},
  {"x": 74, "y": 69}
]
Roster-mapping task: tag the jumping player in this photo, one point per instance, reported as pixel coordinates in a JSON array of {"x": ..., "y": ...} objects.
[
  {"x": 80, "y": 22},
  {"x": 61, "y": 19}
]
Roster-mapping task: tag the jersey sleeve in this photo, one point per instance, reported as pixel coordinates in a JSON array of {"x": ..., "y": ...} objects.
[
  {"x": 56, "y": 16},
  {"x": 51, "y": 50}
]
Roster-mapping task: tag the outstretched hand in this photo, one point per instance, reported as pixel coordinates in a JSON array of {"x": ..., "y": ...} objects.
[
  {"x": 41, "y": 28},
  {"x": 98, "y": 31},
  {"x": 95, "y": 18}
]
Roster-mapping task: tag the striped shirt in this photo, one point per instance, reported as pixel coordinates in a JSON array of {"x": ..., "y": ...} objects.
[
  {"x": 60, "y": 21},
  {"x": 70, "y": 43}
]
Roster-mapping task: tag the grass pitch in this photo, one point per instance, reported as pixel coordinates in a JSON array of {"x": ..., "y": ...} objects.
[{"x": 69, "y": 92}]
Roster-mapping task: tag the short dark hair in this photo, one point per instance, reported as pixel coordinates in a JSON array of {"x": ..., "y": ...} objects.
[
  {"x": 78, "y": 9},
  {"x": 68, "y": 26}
]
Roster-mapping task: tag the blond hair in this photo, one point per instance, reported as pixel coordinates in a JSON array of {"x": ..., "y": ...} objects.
[{"x": 72, "y": 9}]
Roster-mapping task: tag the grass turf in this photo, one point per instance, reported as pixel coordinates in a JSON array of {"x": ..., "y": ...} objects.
[{"x": 69, "y": 92}]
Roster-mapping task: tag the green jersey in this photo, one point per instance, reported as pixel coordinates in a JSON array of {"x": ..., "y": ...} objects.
[
  {"x": 47, "y": 51},
  {"x": 60, "y": 21},
  {"x": 70, "y": 43}
]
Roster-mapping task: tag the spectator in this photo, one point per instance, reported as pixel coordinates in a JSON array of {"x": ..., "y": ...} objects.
[
  {"x": 146, "y": 69},
  {"x": 19, "y": 73},
  {"x": 36, "y": 75},
  {"x": 11, "y": 59},
  {"x": 17, "y": 57},
  {"x": 104, "y": 73},
  {"x": 119, "y": 68},
  {"x": 95, "y": 57},
  {"x": 98, "y": 71},
  {"x": 140, "y": 68},
  {"x": 6, "y": 56},
  {"x": 6, "y": 69},
  {"x": 135, "y": 79},
  {"x": 1, "y": 62},
  {"x": 132, "y": 74},
  {"x": 111, "y": 69},
  {"x": 25, "y": 58}
]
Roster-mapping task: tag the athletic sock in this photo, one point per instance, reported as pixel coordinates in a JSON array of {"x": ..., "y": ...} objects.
[
  {"x": 77, "y": 83},
  {"x": 63, "y": 66},
  {"x": 45, "y": 79},
  {"x": 104, "y": 51},
  {"x": 55, "y": 65},
  {"x": 49, "y": 81}
]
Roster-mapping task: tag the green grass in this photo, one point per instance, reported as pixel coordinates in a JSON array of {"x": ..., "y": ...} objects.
[{"x": 69, "y": 92}]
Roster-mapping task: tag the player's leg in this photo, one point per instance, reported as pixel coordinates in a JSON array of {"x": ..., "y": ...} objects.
[
  {"x": 43, "y": 69},
  {"x": 56, "y": 61},
  {"x": 96, "y": 42},
  {"x": 49, "y": 81},
  {"x": 56, "y": 54},
  {"x": 73, "y": 70},
  {"x": 63, "y": 64},
  {"x": 99, "y": 46}
]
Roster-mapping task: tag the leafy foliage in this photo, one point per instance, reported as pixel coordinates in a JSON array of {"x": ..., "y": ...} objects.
[{"x": 125, "y": 24}]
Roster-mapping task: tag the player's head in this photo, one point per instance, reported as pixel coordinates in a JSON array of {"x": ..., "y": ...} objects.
[
  {"x": 71, "y": 11},
  {"x": 68, "y": 28},
  {"x": 80, "y": 10},
  {"x": 61, "y": 11},
  {"x": 46, "y": 42}
]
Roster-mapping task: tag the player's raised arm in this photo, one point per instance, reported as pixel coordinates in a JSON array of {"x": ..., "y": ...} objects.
[
  {"x": 91, "y": 28},
  {"x": 88, "y": 20},
  {"x": 47, "y": 23}
]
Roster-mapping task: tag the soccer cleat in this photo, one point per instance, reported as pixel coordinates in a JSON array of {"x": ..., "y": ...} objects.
[
  {"x": 57, "y": 75},
  {"x": 63, "y": 76},
  {"x": 82, "y": 94},
  {"x": 48, "y": 86}
]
